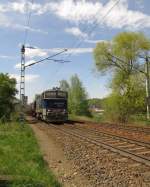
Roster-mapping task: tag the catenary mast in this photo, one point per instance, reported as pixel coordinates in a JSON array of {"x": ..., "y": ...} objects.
[{"x": 22, "y": 79}]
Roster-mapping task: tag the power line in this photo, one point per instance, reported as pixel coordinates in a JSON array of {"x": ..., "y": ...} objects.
[
  {"x": 22, "y": 74},
  {"x": 93, "y": 28},
  {"x": 49, "y": 58},
  {"x": 81, "y": 40},
  {"x": 29, "y": 13}
]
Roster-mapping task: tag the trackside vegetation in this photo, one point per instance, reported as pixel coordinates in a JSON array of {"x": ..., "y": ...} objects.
[
  {"x": 21, "y": 162},
  {"x": 77, "y": 96},
  {"x": 124, "y": 58},
  {"x": 7, "y": 96}
]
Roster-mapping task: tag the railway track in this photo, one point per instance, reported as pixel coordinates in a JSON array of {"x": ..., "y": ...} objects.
[
  {"x": 127, "y": 128},
  {"x": 136, "y": 150},
  {"x": 99, "y": 132},
  {"x": 134, "y": 129}
]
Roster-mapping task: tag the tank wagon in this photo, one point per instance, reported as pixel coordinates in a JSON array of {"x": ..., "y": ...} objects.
[{"x": 51, "y": 105}]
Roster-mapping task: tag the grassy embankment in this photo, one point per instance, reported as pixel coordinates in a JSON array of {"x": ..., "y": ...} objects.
[
  {"x": 20, "y": 159},
  {"x": 93, "y": 118},
  {"x": 136, "y": 120}
]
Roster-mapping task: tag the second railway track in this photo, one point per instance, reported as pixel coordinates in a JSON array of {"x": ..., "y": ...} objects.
[
  {"x": 127, "y": 128},
  {"x": 136, "y": 150}
]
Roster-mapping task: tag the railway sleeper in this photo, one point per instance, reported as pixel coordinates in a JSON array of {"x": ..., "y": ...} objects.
[
  {"x": 136, "y": 148},
  {"x": 126, "y": 146},
  {"x": 143, "y": 152},
  {"x": 126, "y": 153}
]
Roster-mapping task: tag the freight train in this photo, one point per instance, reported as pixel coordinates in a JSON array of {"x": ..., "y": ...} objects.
[{"x": 51, "y": 106}]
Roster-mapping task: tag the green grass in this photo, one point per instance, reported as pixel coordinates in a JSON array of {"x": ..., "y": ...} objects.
[
  {"x": 139, "y": 120},
  {"x": 93, "y": 118},
  {"x": 20, "y": 157},
  {"x": 135, "y": 120}
]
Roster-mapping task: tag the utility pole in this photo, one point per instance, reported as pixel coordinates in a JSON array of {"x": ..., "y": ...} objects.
[
  {"x": 147, "y": 76},
  {"x": 22, "y": 79},
  {"x": 23, "y": 98},
  {"x": 147, "y": 87}
]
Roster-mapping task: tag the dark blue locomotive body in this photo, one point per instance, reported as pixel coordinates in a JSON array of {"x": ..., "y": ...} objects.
[{"x": 51, "y": 106}]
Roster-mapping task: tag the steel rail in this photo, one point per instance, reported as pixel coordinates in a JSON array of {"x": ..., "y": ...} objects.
[
  {"x": 117, "y": 137},
  {"x": 131, "y": 128},
  {"x": 123, "y": 152},
  {"x": 135, "y": 129}
]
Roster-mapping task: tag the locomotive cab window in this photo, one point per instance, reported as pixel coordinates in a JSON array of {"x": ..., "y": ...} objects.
[{"x": 60, "y": 104}]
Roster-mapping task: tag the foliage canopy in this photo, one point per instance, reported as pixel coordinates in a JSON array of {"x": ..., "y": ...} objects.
[
  {"x": 7, "y": 95},
  {"x": 77, "y": 96},
  {"x": 122, "y": 56},
  {"x": 122, "y": 53}
]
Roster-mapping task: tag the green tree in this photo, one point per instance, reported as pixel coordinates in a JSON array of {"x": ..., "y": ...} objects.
[
  {"x": 121, "y": 56},
  {"x": 77, "y": 96},
  {"x": 64, "y": 85},
  {"x": 7, "y": 95},
  {"x": 122, "y": 53},
  {"x": 127, "y": 98}
]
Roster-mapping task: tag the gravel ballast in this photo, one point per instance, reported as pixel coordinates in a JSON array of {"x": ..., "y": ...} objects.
[{"x": 91, "y": 165}]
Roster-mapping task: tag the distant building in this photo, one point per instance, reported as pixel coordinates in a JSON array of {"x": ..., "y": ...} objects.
[{"x": 96, "y": 109}]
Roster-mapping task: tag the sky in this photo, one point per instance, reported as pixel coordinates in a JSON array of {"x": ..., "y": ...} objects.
[{"x": 58, "y": 24}]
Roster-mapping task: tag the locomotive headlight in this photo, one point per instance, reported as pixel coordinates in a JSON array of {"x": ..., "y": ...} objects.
[{"x": 49, "y": 110}]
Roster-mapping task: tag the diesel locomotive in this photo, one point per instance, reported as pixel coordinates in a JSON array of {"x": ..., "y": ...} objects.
[{"x": 51, "y": 106}]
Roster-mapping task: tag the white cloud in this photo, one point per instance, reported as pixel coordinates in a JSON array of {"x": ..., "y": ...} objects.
[
  {"x": 76, "y": 32},
  {"x": 18, "y": 6},
  {"x": 22, "y": 27},
  {"x": 18, "y": 66},
  {"x": 79, "y": 11},
  {"x": 37, "y": 52},
  {"x": 95, "y": 41},
  {"x": 79, "y": 50},
  {"x": 122, "y": 17},
  {"x": 7, "y": 21},
  {"x": 29, "y": 77},
  {"x": 6, "y": 57},
  {"x": 93, "y": 11},
  {"x": 74, "y": 10},
  {"x": 69, "y": 50}
]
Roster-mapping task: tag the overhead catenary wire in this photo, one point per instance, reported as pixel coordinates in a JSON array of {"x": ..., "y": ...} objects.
[
  {"x": 29, "y": 13},
  {"x": 23, "y": 65},
  {"x": 81, "y": 39},
  {"x": 49, "y": 58},
  {"x": 77, "y": 45}
]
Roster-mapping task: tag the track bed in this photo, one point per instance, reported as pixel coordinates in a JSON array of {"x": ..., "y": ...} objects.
[{"x": 101, "y": 165}]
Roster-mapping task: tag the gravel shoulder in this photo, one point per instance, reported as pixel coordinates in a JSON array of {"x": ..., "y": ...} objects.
[
  {"x": 117, "y": 130},
  {"x": 56, "y": 159},
  {"x": 78, "y": 163}
]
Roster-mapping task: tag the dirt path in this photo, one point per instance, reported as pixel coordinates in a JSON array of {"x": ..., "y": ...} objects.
[{"x": 57, "y": 162}]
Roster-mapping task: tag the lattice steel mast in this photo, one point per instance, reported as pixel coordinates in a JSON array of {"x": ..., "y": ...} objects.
[{"x": 22, "y": 79}]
